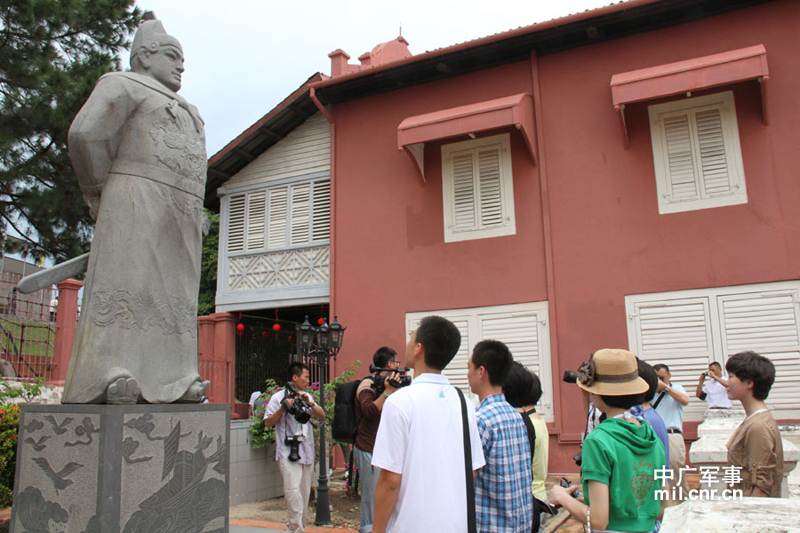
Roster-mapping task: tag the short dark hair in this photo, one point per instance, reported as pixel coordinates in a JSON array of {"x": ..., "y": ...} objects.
[
  {"x": 496, "y": 358},
  {"x": 522, "y": 386},
  {"x": 714, "y": 363},
  {"x": 623, "y": 402},
  {"x": 647, "y": 373},
  {"x": 756, "y": 368},
  {"x": 382, "y": 356},
  {"x": 662, "y": 366},
  {"x": 440, "y": 339},
  {"x": 296, "y": 369}
]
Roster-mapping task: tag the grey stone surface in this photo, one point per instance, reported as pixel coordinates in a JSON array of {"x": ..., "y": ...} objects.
[
  {"x": 254, "y": 473},
  {"x": 138, "y": 150},
  {"x": 751, "y": 515},
  {"x": 122, "y": 468}
]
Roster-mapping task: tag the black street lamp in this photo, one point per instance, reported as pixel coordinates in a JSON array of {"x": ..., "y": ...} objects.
[{"x": 321, "y": 343}]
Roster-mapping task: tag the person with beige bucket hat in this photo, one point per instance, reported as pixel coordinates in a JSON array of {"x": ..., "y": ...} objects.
[{"x": 621, "y": 455}]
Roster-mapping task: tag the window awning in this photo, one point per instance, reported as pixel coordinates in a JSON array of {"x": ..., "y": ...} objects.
[
  {"x": 691, "y": 75},
  {"x": 516, "y": 110}
]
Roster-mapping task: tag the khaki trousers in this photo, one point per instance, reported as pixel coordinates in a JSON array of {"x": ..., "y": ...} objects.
[
  {"x": 677, "y": 460},
  {"x": 296, "y": 490}
]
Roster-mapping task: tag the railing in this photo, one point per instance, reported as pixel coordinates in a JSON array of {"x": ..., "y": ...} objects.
[{"x": 27, "y": 341}]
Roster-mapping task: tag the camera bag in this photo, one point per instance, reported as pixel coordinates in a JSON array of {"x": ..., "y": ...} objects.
[{"x": 344, "y": 427}]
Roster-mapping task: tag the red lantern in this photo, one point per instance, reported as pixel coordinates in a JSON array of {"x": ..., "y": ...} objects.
[
  {"x": 240, "y": 329},
  {"x": 321, "y": 321},
  {"x": 276, "y": 327},
  {"x": 291, "y": 338},
  {"x": 265, "y": 334}
]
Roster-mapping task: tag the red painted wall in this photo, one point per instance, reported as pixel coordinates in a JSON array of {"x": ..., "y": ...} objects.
[
  {"x": 608, "y": 238},
  {"x": 389, "y": 235}
]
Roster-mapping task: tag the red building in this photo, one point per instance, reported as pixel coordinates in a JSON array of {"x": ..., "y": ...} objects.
[{"x": 624, "y": 177}]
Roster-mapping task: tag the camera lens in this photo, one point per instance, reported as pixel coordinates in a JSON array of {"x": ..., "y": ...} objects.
[{"x": 570, "y": 376}]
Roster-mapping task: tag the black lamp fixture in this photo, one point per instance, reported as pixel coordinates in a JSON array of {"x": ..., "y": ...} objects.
[{"x": 321, "y": 343}]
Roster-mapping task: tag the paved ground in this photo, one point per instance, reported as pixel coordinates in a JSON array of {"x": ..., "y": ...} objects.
[{"x": 254, "y": 526}]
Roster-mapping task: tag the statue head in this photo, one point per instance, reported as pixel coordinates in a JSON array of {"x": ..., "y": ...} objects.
[{"x": 157, "y": 54}]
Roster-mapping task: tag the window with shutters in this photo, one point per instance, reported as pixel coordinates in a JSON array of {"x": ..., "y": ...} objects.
[
  {"x": 279, "y": 217},
  {"x": 696, "y": 153},
  {"x": 686, "y": 330},
  {"x": 522, "y": 327},
  {"x": 477, "y": 189}
]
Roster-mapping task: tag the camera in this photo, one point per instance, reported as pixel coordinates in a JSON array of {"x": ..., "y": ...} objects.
[
  {"x": 300, "y": 409},
  {"x": 570, "y": 376},
  {"x": 379, "y": 380},
  {"x": 294, "y": 447}
]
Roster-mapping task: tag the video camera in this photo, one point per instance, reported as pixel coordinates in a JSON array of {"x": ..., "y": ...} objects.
[
  {"x": 381, "y": 375},
  {"x": 300, "y": 409}
]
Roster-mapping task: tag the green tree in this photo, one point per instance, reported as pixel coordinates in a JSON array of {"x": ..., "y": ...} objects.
[
  {"x": 51, "y": 54},
  {"x": 208, "y": 267}
]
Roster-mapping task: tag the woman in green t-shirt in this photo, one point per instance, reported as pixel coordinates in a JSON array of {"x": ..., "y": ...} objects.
[{"x": 621, "y": 455}]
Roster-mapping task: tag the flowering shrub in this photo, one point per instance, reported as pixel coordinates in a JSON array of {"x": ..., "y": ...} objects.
[
  {"x": 9, "y": 425},
  {"x": 262, "y": 436}
]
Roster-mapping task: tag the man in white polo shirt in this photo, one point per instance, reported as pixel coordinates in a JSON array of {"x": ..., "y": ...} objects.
[
  {"x": 669, "y": 403},
  {"x": 419, "y": 447},
  {"x": 713, "y": 388}
]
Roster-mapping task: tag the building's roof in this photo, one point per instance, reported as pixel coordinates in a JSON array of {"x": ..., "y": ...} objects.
[
  {"x": 258, "y": 138},
  {"x": 588, "y": 27},
  {"x": 543, "y": 38}
]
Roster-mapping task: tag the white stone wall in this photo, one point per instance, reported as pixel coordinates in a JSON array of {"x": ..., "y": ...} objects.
[{"x": 254, "y": 473}]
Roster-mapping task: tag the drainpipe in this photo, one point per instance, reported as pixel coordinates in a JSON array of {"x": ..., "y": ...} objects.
[
  {"x": 555, "y": 368},
  {"x": 331, "y": 309}
]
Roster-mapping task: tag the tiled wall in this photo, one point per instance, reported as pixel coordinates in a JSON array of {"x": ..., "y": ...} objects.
[{"x": 254, "y": 473}]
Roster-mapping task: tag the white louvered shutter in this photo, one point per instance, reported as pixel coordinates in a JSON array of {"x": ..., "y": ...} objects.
[
  {"x": 767, "y": 322},
  {"x": 300, "y": 214},
  {"x": 321, "y": 216},
  {"x": 680, "y": 157},
  {"x": 525, "y": 334},
  {"x": 278, "y": 217},
  {"x": 456, "y": 371},
  {"x": 256, "y": 219},
  {"x": 491, "y": 187},
  {"x": 677, "y": 333},
  {"x": 236, "y": 218},
  {"x": 711, "y": 147},
  {"x": 464, "y": 196}
]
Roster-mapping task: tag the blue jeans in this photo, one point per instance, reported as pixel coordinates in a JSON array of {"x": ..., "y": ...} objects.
[{"x": 368, "y": 477}]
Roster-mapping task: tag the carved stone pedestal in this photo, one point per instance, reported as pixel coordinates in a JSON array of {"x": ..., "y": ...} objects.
[{"x": 122, "y": 468}]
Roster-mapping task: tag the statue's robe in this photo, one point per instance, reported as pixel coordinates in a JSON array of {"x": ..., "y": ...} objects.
[{"x": 140, "y": 149}]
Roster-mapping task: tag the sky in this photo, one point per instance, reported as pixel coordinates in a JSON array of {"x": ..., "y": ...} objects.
[{"x": 243, "y": 57}]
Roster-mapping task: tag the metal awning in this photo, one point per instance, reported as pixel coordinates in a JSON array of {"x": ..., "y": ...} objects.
[
  {"x": 691, "y": 75},
  {"x": 516, "y": 110}
]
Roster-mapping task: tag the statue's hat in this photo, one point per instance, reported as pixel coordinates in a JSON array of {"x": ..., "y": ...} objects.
[{"x": 151, "y": 35}]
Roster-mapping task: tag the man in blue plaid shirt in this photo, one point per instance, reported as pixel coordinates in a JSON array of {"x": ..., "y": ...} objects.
[{"x": 503, "y": 493}]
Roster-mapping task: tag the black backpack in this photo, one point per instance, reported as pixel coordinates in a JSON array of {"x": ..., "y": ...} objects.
[{"x": 345, "y": 426}]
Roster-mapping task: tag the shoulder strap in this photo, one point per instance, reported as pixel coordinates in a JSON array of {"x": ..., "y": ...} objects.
[
  {"x": 531, "y": 433},
  {"x": 660, "y": 397},
  {"x": 471, "y": 520}
]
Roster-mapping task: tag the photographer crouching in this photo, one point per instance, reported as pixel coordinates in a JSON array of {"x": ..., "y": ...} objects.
[
  {"x": 373, "y": 391},
  {"x": 294, "y": 437}
]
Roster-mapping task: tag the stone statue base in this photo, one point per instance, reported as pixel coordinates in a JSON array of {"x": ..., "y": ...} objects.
[{"x": 122, "y": 468}]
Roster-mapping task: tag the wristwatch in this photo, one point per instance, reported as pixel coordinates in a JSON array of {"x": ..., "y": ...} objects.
[{"x": 386, "y": 394}]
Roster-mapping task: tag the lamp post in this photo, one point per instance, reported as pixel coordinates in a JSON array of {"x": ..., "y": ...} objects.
[{"x": 321, "y": 343}]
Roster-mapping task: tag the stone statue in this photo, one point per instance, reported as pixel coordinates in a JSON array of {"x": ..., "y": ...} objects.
[{"x": 138, "y": 150}]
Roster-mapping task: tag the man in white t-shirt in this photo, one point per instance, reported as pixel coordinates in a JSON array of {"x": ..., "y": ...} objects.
[
  {"x": 420, "y": 443},
  {"x": 713, "y": 388}
]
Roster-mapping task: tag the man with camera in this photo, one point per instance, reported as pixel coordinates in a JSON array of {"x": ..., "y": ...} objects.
[
  {"x": 294, "y": 439},
  {"x": 370, "y": 397},
  {"x": 713, "y": 388},
  {"x": 420, "y": 443},
  {"x": 669, "y": 403}
]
